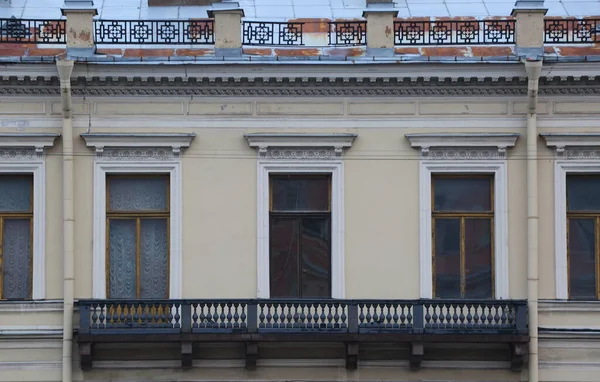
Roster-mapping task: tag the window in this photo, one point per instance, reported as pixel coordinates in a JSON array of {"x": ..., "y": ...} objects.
[
  {"x": 300, "y": 236},
  {"x": 137, "y": 221},
  {"x": 462, "y": 234},
  {"x": 16, "y": 227},
  {"x": 583, "y": 236}
]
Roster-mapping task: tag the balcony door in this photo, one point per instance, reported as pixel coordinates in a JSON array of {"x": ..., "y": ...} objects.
[{"x": 300, "y": 236}]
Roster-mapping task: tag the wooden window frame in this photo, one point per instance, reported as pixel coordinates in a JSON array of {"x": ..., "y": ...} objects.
[
  {"x": 20, "y": 216},
  {"x": 298, "y": 215},
  {"x": 462, "y": 215},
  {"x": 138, "y": 216},
  {"x": 582, "y": 215}
]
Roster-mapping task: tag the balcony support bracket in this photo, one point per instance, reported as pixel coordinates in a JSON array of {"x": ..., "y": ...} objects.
[
  {"x": 351, "y": 355},
  {"x": 416, "y": 355},
  {"x": 85, "y": 355},
  {"x": 186, "y": 355},
  {"x": 517, "y": 356},
  {"x": 251, "y": 355}
]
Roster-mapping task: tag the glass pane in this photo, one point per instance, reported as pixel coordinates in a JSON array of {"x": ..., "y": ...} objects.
[
  {"x": 316, "y": 258},
  {"x": 284, "y": 257},
  {"x": 462, "y": 194},
  {"x": 138, "y": 193},
  {"x": 154, "y": 262},
  {"x": 122, "y": 258},
  {"x": 298, "y": 193},
  {"x": 15, "y": 193},
  {"x": 447, "y": 258},
  {"x": 582, "y": 259},
  {"x": 17, "y": 259},
  {"x": 478, "y": 258},
  {"x": 583, "y": 193}
]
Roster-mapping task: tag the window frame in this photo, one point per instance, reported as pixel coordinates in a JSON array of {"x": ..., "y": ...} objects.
[
  {"x": 334, "y": 169},
  {"x": 495, "y": 168},
  {"x": 563, "y": 168},
  {"x": 298, "y": 216},
  {"x": 138, "y": 216},
  {"x": 104, "y": 167},
  {"x": 29, "y": 215},
  {"x": 462, "y": 215}
]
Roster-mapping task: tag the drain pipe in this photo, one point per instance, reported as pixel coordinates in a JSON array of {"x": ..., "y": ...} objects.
[
  {"x": 65, "y": 68},
  {"x": 533, "y": 68}
]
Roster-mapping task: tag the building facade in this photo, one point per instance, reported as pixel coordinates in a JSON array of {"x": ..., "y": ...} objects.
[{"x": 224, "y": 198}]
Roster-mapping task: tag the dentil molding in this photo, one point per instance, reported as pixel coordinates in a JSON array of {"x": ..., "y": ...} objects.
[
  {"x": 465, "y": 146},
  {"x": 137, "y": 146},
  {"x": 300, "y": 146},
  {"x": 574, "y": 145}
]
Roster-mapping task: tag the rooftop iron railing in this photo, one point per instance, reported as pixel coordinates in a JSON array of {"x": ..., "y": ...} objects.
[
  {"x": 272, "y": 33},
  {"x": 571, "y": 31},
  {"x": 454, "y": 32},
  {"x": 348, "y": 33},
  {"x": 154, "y": 32},
  {"x": 314, "y": 316},
  {"x": 24, "y": 31}
]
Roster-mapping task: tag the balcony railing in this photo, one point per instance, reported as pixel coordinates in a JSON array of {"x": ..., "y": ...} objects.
[
  {"x": 98, "y": 317},
  {"x": 347, "y": 33},
  {"x": 454, "y": 32},
  {"x": 185, "y": 32},
  {"x": 25, "y": 31},
  {"x": 272, "y": 33},
  {"x": 571, "y": 31}
]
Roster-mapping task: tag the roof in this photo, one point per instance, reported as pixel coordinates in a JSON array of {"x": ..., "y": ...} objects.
[{"x": 279, "y": 10}]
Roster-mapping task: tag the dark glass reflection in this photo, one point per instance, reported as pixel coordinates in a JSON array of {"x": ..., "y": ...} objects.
[
  {"x": 283, "y": 265},
  {"x": 478, "y": 258},
  {"x": 316, "y": 259},
  {"x": 447, "y": 258},
  {"x": 583, "y": 193},
  {"x": 582, "y": 259},
  {"x": 294, "y": 193},
  {"x": 462, "y": 194}
]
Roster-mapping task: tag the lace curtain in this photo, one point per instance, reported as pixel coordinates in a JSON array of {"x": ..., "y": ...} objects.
[
  {"x": 144, "y": 258},
  {"x": 16, "y": 257}
]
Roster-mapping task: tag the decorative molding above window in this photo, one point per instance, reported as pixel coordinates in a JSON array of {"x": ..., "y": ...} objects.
[
  {"x": 300, "y": 146},
  {"x": 574, "y": 145},
  {"x": 136, "y": 143},
  {"x": 24, "y": 146},
  {"x": 463, "y": 146}
]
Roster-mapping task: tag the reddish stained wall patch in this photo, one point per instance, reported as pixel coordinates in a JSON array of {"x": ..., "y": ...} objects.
[
  {"x": 195, "y": 52},
  {"x": 445, "y": 52},
  {"x": 313, "y": 25},
  {"x": 110, "y": 52},
  {"x": 491, "y": 51},
  {"x": 148, "y": 52},
  {"x": 407, "y": 51},
  {"x": 578, "y": 50},
  {"x": 308, "y": 52},
  {"x": 258, "y": 51},
  {"x": 15, "y": 51},
  {"x": 45, "y": 52}
]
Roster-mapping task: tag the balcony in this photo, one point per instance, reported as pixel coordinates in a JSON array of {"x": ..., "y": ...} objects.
[{"x": 353, "y": 324}]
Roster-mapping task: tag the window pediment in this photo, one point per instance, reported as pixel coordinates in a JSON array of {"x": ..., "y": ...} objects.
[
  {"x": 174, "y": 142},
  {"x": 574, "y": 145},
  {"x": 463, "y": 145},
  {"x": 31, "y": 141},
  {"x": 300, "y": 146}
]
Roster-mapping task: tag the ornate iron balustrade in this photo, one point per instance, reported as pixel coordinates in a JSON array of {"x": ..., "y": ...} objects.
[
  {"x": 312, "y": 316},
  {"x": 149, "y": 32},
  {"x": 22, "y": 31},
  {"x": 272, "y": 33},
  {"x": 348, "y": 33},
  {"x": 571, "y": 31},
  {"x": 453, "y": 32}
]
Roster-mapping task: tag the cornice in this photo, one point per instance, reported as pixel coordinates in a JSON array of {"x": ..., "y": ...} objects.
[
  {"x": 426, "y": 142},
  {"x": 101, "y": 141}
]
